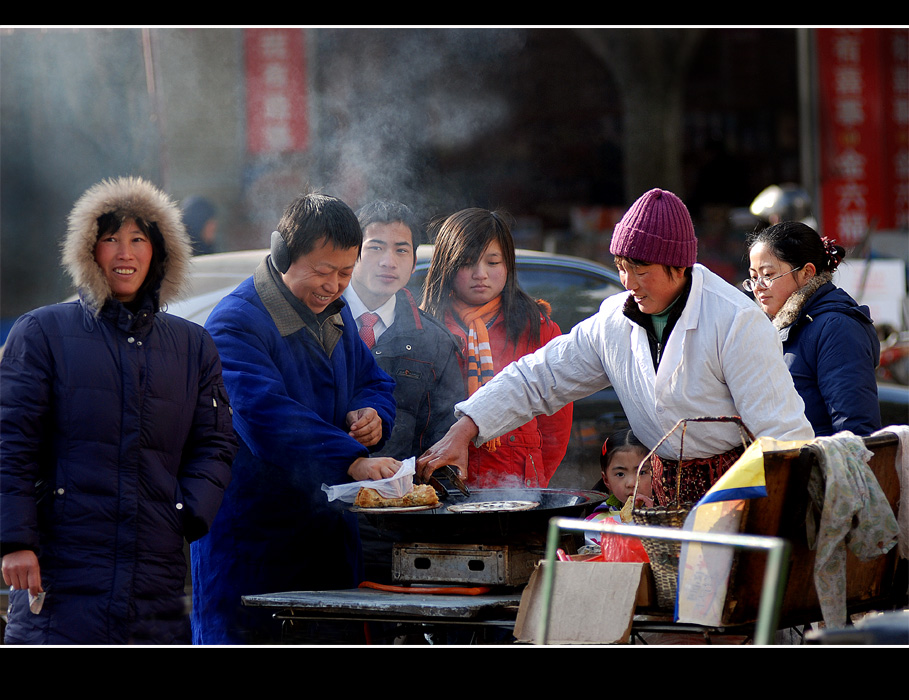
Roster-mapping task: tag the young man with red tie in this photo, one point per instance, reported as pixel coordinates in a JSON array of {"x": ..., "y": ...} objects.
[{"x": 417, "y": 351}]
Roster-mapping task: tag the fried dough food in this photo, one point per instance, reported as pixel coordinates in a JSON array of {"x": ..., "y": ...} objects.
[{"x": 422, "y": 495}]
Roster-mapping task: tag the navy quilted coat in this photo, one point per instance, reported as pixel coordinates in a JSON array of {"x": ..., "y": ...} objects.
[
  {"x": 832, "y": 349},
  {"x": 116, "y": 442}
]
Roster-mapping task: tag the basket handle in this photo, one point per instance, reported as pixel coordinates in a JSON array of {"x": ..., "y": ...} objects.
[{"x": 744, "y": 433}]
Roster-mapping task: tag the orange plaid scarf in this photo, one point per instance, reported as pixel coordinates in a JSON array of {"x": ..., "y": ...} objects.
[{"x": 480, "y": 368}]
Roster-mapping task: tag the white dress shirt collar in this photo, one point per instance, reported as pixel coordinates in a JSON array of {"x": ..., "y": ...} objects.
[{"x": 386, "y": 312}]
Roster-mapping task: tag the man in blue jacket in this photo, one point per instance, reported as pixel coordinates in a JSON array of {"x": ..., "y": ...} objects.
[{"x": 310, "y": 404}]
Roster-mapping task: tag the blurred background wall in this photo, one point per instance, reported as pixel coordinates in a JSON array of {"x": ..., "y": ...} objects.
[{"x": 561, "y": 127}]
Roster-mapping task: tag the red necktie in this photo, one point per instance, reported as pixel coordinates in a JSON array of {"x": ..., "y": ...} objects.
[{"x": 367, "y": 321}]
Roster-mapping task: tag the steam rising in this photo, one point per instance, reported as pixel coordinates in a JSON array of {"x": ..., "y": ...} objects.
[{"x": 389, "y": 108}]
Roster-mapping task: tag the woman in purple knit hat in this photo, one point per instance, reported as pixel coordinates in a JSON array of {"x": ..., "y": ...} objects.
[{"x": 681, "y": 343}]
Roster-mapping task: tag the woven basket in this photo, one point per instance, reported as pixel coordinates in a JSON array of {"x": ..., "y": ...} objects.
[{"x": 664, "y": 554}]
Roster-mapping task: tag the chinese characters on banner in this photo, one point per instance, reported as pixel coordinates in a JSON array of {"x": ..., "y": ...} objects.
[
  {"x": 863, "y": 127},
  {"x": 276, "y": 99}
]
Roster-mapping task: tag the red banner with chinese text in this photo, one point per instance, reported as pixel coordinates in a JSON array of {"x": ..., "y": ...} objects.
[
  {"x": 276, "y": 97},
  {"x": 863, "y": 128}
]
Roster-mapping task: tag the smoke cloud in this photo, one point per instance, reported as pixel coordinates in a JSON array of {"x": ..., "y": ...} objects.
[{"x": 392, "y": 97}]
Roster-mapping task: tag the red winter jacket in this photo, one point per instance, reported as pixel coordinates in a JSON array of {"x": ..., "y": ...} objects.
[{"x": 527, "y": 456}]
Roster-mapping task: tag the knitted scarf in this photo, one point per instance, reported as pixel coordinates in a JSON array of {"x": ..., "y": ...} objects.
[{"x": 480, "y": 368}]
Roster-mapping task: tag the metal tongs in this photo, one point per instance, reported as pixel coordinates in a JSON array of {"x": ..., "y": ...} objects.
[{"x": 449, "y": 473}]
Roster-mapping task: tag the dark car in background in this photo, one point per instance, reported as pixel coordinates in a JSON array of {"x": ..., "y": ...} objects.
[{"x": 574, "y": 286}]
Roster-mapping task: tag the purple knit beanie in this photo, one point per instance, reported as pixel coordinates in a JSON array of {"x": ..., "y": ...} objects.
[{"x": 657, "y": 229}]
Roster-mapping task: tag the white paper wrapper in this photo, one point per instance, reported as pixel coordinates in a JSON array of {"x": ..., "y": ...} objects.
[
  {"x": 36, "y": 602},
  {"x": 392, "y": 487}
]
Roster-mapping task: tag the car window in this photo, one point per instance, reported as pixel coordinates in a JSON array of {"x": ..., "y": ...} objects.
[{"x": 573, "y": 294}]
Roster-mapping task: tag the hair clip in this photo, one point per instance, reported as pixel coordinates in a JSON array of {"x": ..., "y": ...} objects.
[{"x": 831, "y": 251}]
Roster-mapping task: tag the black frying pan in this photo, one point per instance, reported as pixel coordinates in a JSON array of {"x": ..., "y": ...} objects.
[{"x": 442, "y": 525}]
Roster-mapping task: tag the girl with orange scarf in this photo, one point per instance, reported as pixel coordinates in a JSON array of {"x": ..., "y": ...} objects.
[{"x": 471, "y": 285}]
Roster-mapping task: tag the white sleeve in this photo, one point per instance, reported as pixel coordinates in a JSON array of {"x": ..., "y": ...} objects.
[
  {"x": 760, "y": 383},
  {"x": 567, "y": 368}
]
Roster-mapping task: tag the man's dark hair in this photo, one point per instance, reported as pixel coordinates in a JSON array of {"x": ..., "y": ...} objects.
[
  {"x": 386, "y": 211},
  {"x": 310, "y": 218}
]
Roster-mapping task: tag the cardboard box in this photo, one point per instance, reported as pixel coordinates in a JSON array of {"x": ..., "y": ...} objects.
[{"x": 592, "y": 602}]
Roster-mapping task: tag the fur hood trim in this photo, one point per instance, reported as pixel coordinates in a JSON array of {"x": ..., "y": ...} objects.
[
  {"x": 790, "y": 310},
  {"x": 128, "y": 197}
]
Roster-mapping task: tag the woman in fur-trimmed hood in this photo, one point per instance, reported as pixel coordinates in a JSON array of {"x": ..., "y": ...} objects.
[
  {"x": 829, "y": 340},
  {"x": 115, "y": 434},
  {"x": 108, "y": 204}
]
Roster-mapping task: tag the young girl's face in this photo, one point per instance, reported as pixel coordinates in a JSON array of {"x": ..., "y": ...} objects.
[
  {"x": 483, "y": 281},
  {"x": 621, "y": 473}
]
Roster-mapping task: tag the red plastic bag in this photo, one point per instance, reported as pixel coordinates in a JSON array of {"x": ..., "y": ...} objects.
[{"x": 621, "y": 548}]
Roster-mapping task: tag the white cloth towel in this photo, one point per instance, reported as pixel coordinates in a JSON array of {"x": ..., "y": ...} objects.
[{"x": 850, "y": 510}]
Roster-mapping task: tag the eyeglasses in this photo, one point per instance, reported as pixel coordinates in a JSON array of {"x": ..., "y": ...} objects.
[{"x": 752, "y": 283}]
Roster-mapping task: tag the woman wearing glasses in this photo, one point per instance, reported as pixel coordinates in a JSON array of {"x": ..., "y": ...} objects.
[{"x": 829, "y": 341}]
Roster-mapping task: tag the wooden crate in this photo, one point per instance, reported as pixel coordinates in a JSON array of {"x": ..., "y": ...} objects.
[{"x": 869, "y": 584}]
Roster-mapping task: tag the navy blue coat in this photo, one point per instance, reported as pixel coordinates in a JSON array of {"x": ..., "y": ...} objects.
[
  {"x": 832, "y": 351},
  {"x": 115, "y": 445}
]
